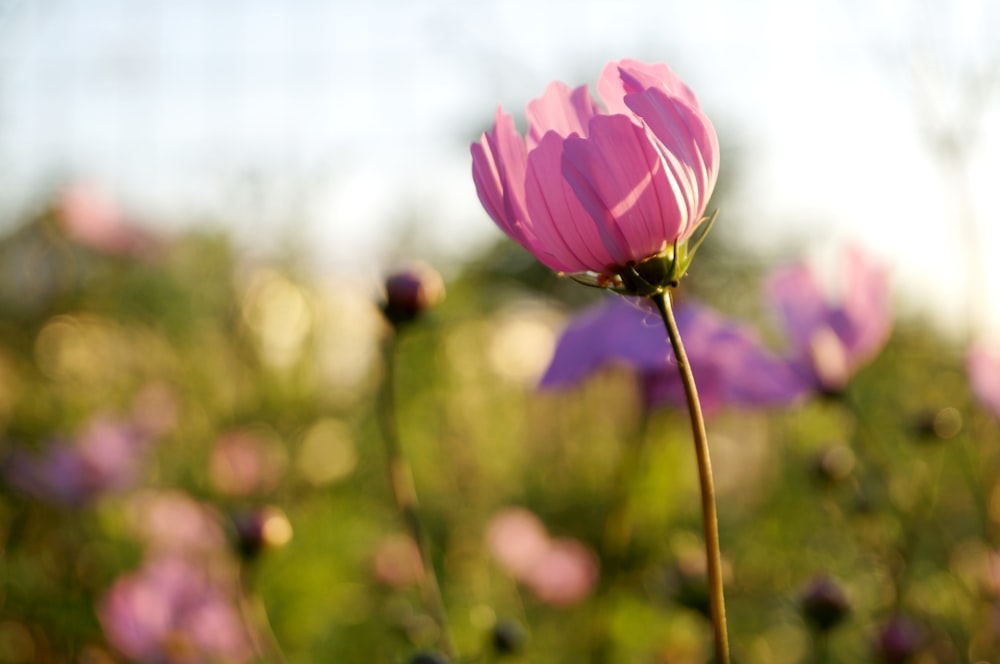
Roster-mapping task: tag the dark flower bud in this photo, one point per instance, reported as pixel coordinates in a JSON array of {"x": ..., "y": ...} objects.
[
  {"x": 259, "y": 529},
  {"x": 428, "y": 657},
  {"x": 898, "y": 641},
  {"x": 508, "y": 637},
  {"x": 411, "y": 292},
  {"x": 935, "y": 426},
  {"x": 824, "y": 604}
]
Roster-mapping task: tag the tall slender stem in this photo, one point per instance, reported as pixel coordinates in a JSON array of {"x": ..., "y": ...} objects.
[
  {"x": 710, "y": 522},
  {"x": 405, "y": 494}
]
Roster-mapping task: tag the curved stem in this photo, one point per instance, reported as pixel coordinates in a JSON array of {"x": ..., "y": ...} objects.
[
  {"x": 264, "y": 642},
  {"x": 710, "y": 522},
  {"x": 405, "y": 495}
]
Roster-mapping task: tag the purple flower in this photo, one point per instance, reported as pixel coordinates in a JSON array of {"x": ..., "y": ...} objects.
[
  {"x": 983, "y": 368},
  {"x": 831, "y": 336},
  {"x": 729, "y": 363},
  {"x": 172, "y": 610},
  {"x": 105, "y": 457}
]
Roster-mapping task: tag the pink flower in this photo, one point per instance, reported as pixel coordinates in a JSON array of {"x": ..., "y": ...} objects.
[
  {"x": 559, "y": 571},
  {"x": 592, "y": 190},
  {"x": 983, "y": 368},
  {"x": 244, "y": 462},
  {"x": 173, "y": 521},
  {"x": 833, "y": 336},
  {"x": 730, "y": 365},
  {"x": 92, "y": 220},
  {"x": 396, "y": 562},
  {"x": 172, "y": 610}
]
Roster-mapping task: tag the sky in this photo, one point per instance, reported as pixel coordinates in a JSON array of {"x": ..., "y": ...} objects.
[{"x": 346, "y": 125}]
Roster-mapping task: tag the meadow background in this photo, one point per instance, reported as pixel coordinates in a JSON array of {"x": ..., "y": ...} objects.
[{"x": 200, "y": 206}]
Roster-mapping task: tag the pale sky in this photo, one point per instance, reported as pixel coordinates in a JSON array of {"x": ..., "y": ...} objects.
[{"x": 342, "y": 122}]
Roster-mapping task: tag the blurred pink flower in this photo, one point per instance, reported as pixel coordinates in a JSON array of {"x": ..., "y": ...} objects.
[
  {"x": 243, "y": 463},
  {"x": 173, "y": 611},
  {"x": 107, "y": 456},
  {"x": 516, "y": 538},
  {"x": 92, "y": 220},
  {"x": 396, "y": 561},
  {"x": 833, "y": 336},
  {"x": 564, "y": 574},
  {"x": 172, "y": 521},
  {"x": 559, "y": 572},
  {"x": 591, "y": 190},
  {"x": 983, "y": 369},
  {"x": 730, "y": 365}
]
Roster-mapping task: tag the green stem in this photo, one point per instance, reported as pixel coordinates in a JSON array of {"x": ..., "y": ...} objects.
[
  {"x": 262, "y": 638},
  {"x": 710, "y": 522},
  {"x": 405, "y": 494}
]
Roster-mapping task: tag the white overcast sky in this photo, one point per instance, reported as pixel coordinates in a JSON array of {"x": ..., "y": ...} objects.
[{"x": 342, "y": 122}]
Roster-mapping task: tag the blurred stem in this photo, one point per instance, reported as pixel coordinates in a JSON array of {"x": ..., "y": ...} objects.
[
  {"x": 405, "y": 495},
  {"x": 618, "y": 527},
  {"x": 258, "y": 626},
  {"x": 710, "y": 522},
  {"x": 821, "y": 647},
  {"x": 617, "y": 538}
]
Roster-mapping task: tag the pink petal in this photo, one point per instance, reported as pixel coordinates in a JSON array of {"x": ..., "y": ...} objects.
[
  {"x": 561, "y": 110},
  {"x": 865, "y": 305},
  {"x": 800, "y": 302},
  {"x": 690, "y": 146},
  {"x": 560, "y": 222},
  {"x": 983, "y": 368},
  {"x": 499, "y": 160},
  {"x": 628, "y": 76},
  {"x": 619, "y": 177}
]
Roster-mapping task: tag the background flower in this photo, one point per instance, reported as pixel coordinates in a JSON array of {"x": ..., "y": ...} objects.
[
  {"x": 173, "y": 611},
  {"x": 833, "y": 334},
  {"x": 983, "y": 368},
  {"x": 104, "y": 457},
  {"x": 730, "y": 365}
]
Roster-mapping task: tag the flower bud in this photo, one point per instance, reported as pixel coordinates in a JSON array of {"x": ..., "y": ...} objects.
[
  {"x": 428, "y": 657},
  {"x": 259, "y": 529},
  {"x": 934, "y": 426},
  {"x": 824, "y": 604},
  {"x": 898, "y": 641},
  {"x": 508, "y": 637},
  {"x": 411, "y": 292}
]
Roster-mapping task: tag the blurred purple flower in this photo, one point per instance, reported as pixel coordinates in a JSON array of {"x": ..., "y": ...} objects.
[
  {"x": 983, "y": 368},
  {"x": 730, "y": 365},
  {"x": 898, "y": 640},
  {"x": 173, "y": 611},
  {"x": 105, "y": 457},
  {"x": 832, "y": 337}
]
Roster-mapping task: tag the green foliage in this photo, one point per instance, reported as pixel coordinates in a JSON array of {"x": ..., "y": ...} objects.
[{"x": 890, "y": 488}]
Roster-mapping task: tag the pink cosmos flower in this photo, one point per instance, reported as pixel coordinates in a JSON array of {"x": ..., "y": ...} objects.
[
  {"x": 592, "y": 190},
  {"x": 94, "y": 221},
  {"x": 105, "y": 457},
  {"x": 559, "y": 571},
  {"x": 832, "y": 336},
  {"x": 243, "y": 463},
  {"x": 983, "y": 368},
  {"x": 173, "y": 611},
  {"x": 172, "y": 521},
  {"x": 730, "y": 365}
]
